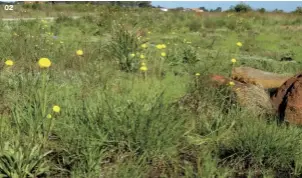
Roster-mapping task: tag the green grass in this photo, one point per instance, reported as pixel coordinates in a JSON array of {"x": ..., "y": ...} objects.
[{"x": 117, "y": 121}]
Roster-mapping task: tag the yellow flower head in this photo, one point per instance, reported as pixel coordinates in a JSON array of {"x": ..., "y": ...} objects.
[
  {"x": 163, "y": 46},
  {"x": 239, "y": 44},
  {"x": 142, "y": 56},
  {"x": 9, "y": 62},
  {"x": 56, "y": 108},
  {"x": 143, "y": 64},
  {"x": 48, "y": 116},
  {"x": 44, "y": 63},
  {"x": 197, "y": 74},
  {"x": 144, "y": 45},
  {"x": 159, "y": 46},
  {"x": 149, "y": 32},
  {"x": 231, "y": 83},
  {"x": 233, "y": 60},
  {"x": 132, "y": 54},
  {"x": 143, "y": 68},
  {"x": 163, "y": 54},
  {"x": 79, "y": 52}
]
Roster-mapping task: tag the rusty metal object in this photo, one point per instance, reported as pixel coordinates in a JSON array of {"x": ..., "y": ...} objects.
[
  {"x": 258, "y": 77},
  {"x": 287, "y": 101}
]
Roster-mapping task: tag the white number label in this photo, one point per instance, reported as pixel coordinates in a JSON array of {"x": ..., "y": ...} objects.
[{"x": 9, "y": 7}]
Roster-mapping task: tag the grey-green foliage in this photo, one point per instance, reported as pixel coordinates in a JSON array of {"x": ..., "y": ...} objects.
[{"x": 20, "y": 161}]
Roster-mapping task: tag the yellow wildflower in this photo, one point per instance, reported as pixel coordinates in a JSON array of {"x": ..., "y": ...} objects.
[
  {"x": 44, "y": 63},
  {"x": 9, "y": 62},
  {"x": 233, "y": 60},
  {"x": 142, "y": 56},
  {"x": 163, "y": 54},
  {"x": 132, "y": 54},
  {"x": 149, "y": 32},
  {"x": 144, "y": 45},
  {"x": 48, "y": 116},
  {"x": 197, "y": 74},
  {"x": 163, "y": 46},
  {"x": 143, "y": 68},
  {"x": 231, "y": 83},
  {"x": 239, "y": 44},
  {"x": 79, "y": 52},
  {"x": 159, "y": 46},
  {"x": 56, "y": 108}
]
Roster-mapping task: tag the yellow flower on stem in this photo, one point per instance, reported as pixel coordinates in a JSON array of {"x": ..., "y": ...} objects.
[
  {"x": 79, "y": 52},
  {"x": 159, "y": 46},
  {"x": 163, "y": 54},
  {"x": 9, "y": 62},
  {"x": 197, "y": 74},
  {"x": 142, "y": 56},
  {"x": 233, "y": 60},
  {"x": 56, "y": 108},
  {"x": 144, "y": 45},
  {"x": 48, "y": 116},
  {"x": 239, "y": 44},
  {"x": 44, "y": 63},
  {"x": 231, "y": 83},
  {"x": 143, "y": 67}
]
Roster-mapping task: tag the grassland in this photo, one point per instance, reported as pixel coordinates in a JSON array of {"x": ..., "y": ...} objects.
[{"x": 118, "y": 121}]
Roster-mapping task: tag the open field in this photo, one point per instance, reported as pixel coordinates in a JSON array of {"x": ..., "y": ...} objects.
[{"x": 117, "y": 111}]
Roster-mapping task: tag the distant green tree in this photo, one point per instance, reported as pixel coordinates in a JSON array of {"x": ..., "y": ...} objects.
[
  {"x": 298, "y": 10},
  {"x": 143, "y": 3},
  {"x": 261, "y": 10},
  {"x": 278, "y": 11},
  {"x": 204, "y": 9},
  {"x": 218, "y": 9},
  {"x": 242, "y": 7}
]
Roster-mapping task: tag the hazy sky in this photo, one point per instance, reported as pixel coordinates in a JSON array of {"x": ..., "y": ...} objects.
[{"x": 268, "y": 5}]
